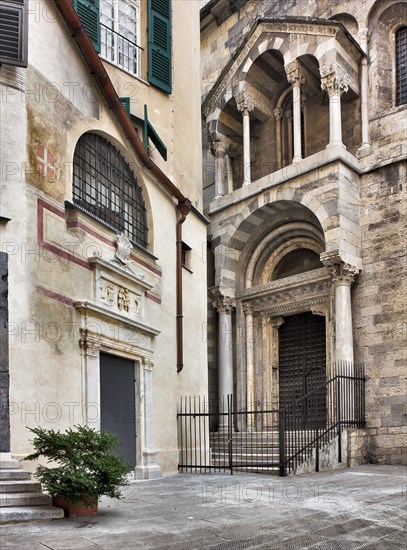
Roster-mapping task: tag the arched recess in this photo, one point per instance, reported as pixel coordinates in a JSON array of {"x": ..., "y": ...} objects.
[
  {"x": 385, "y": 18},
  {"x": 348, "y": 21},
  {"x": 264, "y": 231},
  {"x": 106, "y": 187}
]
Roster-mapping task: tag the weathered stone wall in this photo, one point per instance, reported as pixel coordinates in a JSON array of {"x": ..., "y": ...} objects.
[
  {"x": 380, "y": 310},
  {"x": 358, "y": 448}
]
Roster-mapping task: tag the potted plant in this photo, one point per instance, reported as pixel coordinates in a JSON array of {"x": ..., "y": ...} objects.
[{"x": 86, "y": 468}]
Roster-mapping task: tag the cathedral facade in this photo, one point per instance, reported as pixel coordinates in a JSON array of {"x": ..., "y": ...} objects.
[{"x": 304, "y": 130}]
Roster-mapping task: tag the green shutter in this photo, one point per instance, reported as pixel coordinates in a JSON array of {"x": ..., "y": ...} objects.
[
  {"x": 125, "y": 101},
  {"x": 88, "y": 11},
  {"x": 159, "y": 44},
  {"x": 150, "y": 133},
  {"x": 13, "y": 33}
]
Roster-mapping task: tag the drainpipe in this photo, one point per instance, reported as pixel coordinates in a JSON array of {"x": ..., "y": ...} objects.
[
  {"x": 184, "y": 209},
  {"x": 108, "y": 91}
]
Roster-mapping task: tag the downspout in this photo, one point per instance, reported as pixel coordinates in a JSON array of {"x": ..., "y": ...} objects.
[
  {"x": 184, "y": 210},
  {"x": 108, "y": 91}
]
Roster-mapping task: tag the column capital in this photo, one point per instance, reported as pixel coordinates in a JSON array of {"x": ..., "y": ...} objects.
[
  {"x": 247, "y": 308},
  {"x": 89, "y": 343},
  {"x": 222, "y": 302},
  {"x": 341, "y": 271},
  {"x": 245, "y": 102},
  {"x": 276, "y": 322},
  {"x": 334, "y": 79},
  {"x": 295, "y": 73},
  {"x": 148, "y": 363},
  {"x": 217, "y": 144},
  {"x": 278, "y": 113},
  {"x": 289, "y": 116}
]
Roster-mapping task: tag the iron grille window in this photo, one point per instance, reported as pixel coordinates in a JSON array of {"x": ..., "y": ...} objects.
[
  {"x": 401, "y": 66},
  {"x": 105, "y": 187}
]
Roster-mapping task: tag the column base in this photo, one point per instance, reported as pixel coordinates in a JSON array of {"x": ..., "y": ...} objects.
[
  {"x": 216, "y": 197},
  {"x": 364, "y": 150},
  {"x": 148, "y": 469},
  {"x": 248, "y": 182},
  {"x": 296, "y": 159},
  {"x": 336, "y": 144}
]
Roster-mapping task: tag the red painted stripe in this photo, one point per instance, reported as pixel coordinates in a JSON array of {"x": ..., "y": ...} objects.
[
  {"x": 77, "y": 224},
  {"x": 153, "y": 297},
  {"x": 54, "y": 295},
  {"x": 90, "y": 231}
]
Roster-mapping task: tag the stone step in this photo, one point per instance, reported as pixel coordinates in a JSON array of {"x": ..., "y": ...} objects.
[
  {"x": 22, "y": 486},
  {"x": 24, "y": 499},
  {"x": 14, "y": 514},
  {"x": 10, "y": 464},
  {"x": 14, "y": 474}
]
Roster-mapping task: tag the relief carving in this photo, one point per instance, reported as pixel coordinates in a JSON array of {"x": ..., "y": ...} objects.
[
  {"x": 123, "y": 248},
  {"x": 123, "y": 301}
]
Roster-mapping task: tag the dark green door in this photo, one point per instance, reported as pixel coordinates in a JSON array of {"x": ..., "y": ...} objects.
[
  {"x": 302, "y": 367},
  {"x": 117, "y": 403}
]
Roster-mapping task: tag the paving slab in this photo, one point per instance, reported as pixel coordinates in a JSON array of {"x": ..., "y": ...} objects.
[{"x": 350, "y": 509}]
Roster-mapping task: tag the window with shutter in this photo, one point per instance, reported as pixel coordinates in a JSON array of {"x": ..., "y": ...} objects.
[
  {"x": 401, "y": 66},
  {"x": 120, "y": 22},
  {"x": 13, "y": 33},
  {"x": 159, "y": 44},
  {"x": 88, "y": 11}
]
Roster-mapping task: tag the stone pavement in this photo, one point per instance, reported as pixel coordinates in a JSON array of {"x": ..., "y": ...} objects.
[{"x": 363, "y": 507}]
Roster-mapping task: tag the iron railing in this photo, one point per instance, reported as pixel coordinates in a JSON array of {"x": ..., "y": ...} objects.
[
  {"x": 302, "y": 434},
  {"x": 120, "y": 51},
  {"x": 259, "y": 438}
]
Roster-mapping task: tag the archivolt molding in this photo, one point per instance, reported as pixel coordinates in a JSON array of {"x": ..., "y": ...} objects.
[{"x": 290, "y": 287}]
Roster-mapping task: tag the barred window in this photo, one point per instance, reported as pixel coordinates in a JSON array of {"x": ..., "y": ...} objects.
[
  {"x": 401, "y": 66},
  {"x": 105, "y": 187}
]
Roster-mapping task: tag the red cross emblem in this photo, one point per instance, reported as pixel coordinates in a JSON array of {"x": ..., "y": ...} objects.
[{"x": 45, "y": 162}]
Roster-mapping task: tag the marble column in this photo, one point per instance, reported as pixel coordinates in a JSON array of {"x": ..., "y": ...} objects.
[
  {"x": 229, "y": 174},
  {"x": 218, "y": 149},
  {"x": 225, "y": 305},
  {"x": 4, "y": 358},
  {"x": 250, "y": 391},
  {"x": 278, "y": 115},
  {"x": 335, "y": 81},
  {"x": 275, "y": 323},
  {"x": 90, "y": 359},
  {"x": 289, "y": 118},
  {"x": 343, "y": 275},
  {"x": 295, "y": 76},
  {"x": 364, "y": 103},
  {"x": 148, "y": 469},
  {"x": 245, "y": 105}
]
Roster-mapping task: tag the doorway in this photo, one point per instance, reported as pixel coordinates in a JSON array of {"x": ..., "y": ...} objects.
[
  {"x": 302, "y": 367},
  {"x": 117, "y": 403}
]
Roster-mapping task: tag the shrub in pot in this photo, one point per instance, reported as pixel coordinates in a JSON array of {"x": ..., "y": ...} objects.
[{"x": 86, "y": 467}]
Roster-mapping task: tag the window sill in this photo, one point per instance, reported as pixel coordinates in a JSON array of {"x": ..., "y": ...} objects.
[
  {"x": 138, "y": 248},
  {"x": 136, "y": 77}
]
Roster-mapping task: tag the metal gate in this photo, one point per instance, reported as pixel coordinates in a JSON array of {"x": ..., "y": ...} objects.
[{"x": 241, "y": 444}]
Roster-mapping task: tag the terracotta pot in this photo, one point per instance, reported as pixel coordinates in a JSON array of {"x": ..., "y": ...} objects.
[{"x": 78, "y": 509}]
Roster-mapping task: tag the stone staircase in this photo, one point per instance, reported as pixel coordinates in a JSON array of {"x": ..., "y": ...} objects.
[
  {"x": 254, "y": 452},
  {"x": 21, "y": 498}
]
